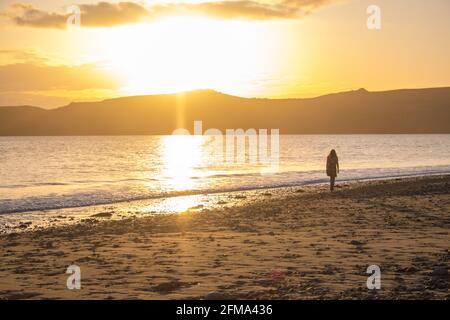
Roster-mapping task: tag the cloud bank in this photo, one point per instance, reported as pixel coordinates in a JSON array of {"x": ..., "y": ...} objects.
[
  {"x": 105, "y": 14},
  {"x": 26, "y": 78}
]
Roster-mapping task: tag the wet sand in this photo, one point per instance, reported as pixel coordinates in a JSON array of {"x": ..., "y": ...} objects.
[{"x": 295, "y": 243}]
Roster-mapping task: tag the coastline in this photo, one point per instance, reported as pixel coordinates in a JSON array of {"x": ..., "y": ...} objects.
[
  {"x": 284, "y": 243},
  {"x": 25, "y": 221}
]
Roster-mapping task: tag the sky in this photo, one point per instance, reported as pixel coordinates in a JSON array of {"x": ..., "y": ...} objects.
[{"x": 250, "y": 48}]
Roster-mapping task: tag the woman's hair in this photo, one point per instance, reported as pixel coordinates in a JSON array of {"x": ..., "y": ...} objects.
[{"x": 333, "y": 153}]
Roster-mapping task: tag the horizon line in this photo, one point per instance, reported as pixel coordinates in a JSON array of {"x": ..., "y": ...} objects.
[{"x": 361, "y": 89}]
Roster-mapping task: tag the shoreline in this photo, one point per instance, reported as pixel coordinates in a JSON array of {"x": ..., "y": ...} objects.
[
  {"x": 295, "y": 243},
  {"x": 26, "y": 221}
]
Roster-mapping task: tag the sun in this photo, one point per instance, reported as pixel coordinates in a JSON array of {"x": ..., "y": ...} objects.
[{"x": 184, "y": 53}]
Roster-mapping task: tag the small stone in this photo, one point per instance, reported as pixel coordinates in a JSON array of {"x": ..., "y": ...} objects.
[
  {"x": 216, "y": 295},
  {"x": 103, "y": 215},
  {"x": 440, "y": 272}
]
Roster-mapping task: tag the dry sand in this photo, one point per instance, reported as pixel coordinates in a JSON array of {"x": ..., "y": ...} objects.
[{"x": 298, "y": 243}]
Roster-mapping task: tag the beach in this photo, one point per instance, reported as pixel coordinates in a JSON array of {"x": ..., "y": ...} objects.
[{"x": 285, "y": 243}]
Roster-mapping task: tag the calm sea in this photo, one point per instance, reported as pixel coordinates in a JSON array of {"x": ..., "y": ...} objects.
[{"x": 38, "y": 173}]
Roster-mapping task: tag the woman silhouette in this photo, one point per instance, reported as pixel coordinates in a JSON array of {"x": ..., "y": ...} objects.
[{"x": 332, "y": 167}]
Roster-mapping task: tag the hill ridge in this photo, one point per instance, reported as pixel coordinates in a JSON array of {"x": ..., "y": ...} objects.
[{"x": 357, "y": 111}]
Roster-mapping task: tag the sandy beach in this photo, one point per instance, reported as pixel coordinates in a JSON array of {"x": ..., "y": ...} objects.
[{"x": 294, "y": 243}]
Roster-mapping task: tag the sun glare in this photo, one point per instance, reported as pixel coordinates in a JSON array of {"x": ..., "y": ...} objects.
[
  {"x": 181, "y": 154},
  {"x": 184, "y": 53},
  {"x": 174, "y": 204}
]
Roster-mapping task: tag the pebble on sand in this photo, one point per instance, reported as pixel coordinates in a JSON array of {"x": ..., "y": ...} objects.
[
  {"x": 440, "y": 272},
  {"x": 216, "y": 295},
  {"x": 103, "y": 215}
]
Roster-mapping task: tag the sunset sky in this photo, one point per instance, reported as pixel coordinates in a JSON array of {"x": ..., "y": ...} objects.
[{"x": 251, "y": 48}]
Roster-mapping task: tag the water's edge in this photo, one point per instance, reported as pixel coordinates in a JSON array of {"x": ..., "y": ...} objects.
[
  {"x": 38, "y": 220},
  {"x": 224, "y": 191}
]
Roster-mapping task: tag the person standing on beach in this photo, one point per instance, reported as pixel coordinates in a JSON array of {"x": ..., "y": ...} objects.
[{"x": 332, "y": 167}]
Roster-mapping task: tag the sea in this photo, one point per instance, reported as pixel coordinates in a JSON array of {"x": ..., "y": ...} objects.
[{"x": 54, "y": 172}]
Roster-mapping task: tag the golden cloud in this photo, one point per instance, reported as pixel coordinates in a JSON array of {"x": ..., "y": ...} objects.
[{"x": 104, "y": 14}]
